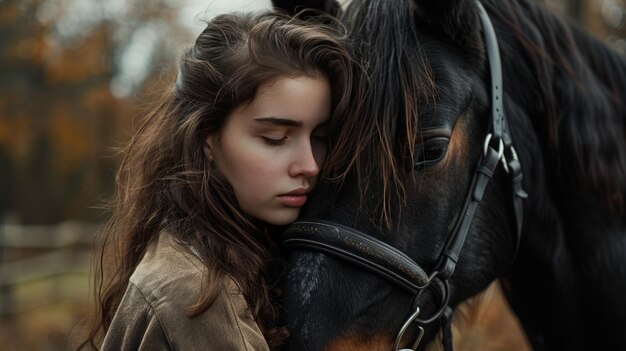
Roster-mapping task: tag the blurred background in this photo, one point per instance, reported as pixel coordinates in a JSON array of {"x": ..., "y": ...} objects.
[{"x": 74, "y": 75}]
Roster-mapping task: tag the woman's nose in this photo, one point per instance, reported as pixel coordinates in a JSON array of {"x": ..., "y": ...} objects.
[{"x": 305, "y": 162}]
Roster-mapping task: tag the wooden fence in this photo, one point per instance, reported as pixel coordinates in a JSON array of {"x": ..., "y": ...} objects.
[{"x": 37, "y": 264}]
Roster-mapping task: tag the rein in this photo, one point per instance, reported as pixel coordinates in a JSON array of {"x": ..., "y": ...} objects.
[{"x": 386, "y": 261}]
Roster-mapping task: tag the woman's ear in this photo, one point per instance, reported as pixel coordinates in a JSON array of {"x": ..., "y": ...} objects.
[{"x": 208, "y": 147}]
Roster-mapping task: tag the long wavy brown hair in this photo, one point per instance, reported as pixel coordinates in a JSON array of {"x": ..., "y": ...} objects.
[{"x": 165, "y": 180}]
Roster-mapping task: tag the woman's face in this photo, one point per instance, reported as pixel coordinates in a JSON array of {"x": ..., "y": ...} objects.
[{"x": 271, "y": 149}]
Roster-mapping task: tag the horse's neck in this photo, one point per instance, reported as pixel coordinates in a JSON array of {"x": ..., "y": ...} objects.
[
  {"x": 573, "y": 88},
  {"x": 573, "y": 91},
  {"x": 573, "y": 94}
]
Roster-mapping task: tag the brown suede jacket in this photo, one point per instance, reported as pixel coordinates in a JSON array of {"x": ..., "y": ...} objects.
[{"x": 151, "y": 315}]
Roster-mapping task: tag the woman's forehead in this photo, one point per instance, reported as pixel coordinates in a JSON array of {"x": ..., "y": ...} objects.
[{"x": 290, "y": 101}]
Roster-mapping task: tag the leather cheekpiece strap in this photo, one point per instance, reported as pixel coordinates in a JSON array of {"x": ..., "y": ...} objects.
[
  {"x": 483, "y": 173},
  {"x": 498, "y": 119}
]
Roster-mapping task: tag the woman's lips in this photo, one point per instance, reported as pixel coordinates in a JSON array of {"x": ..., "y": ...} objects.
[{"x": 293, "y": 200}]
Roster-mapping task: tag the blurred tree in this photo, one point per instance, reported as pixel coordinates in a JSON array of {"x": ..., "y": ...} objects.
[
  {"x": 606, "y": 19},
  {"x": 66, "y": 97}
]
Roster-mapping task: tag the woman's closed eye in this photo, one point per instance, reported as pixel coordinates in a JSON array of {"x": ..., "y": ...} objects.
[{"x": 274, "y": 141}]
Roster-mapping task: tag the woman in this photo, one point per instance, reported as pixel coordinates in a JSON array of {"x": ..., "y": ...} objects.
[{"x": 233, "y": 150}]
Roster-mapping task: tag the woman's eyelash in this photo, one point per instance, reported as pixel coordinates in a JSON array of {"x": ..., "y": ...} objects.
[{"x": 274, "y": 142}]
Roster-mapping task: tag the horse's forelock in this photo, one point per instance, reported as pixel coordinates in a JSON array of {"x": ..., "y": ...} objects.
[
  {"x": 456, "y": 19},
  {"x": 378, "y": 137}
]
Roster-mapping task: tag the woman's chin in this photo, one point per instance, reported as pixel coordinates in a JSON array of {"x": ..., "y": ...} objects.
[{"x": 282, "y": 217}]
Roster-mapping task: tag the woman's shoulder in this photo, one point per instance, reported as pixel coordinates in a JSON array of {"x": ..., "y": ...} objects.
[
  {"x": 170, "y": 272},
  {"x": 168, "y": 269},
  {"x": 168, "y": 281}
]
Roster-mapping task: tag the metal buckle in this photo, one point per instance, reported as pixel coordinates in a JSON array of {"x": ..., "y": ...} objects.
[
  {"x": 442, "y": 289},
  {"x": 404, "y": 328},
  {"x": 501, "y": 156},
  {"x": 444, "y": 294}
]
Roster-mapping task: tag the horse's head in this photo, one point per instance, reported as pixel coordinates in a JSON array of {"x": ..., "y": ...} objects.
[{"x": 411, "y": 219}]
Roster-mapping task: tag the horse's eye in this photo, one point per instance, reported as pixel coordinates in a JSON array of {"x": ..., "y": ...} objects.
[{"x": 430, "y": 152}]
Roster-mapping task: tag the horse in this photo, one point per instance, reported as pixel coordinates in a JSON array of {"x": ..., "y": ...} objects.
[{"x": 452, "y": 170}]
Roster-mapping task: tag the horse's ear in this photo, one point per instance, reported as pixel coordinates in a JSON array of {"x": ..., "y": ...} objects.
[
  {"x": 456, "y": 19},
  {"x": 330, "y": 7}
]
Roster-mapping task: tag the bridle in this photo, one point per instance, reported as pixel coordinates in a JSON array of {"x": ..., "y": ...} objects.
[{"x": 389, "y": 263}]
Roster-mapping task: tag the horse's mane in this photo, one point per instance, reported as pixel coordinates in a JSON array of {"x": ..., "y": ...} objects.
[{"x": 581, "y": 86}]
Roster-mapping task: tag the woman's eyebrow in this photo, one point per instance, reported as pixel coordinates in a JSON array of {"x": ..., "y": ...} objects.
[{"x": 279, "y": 121}]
